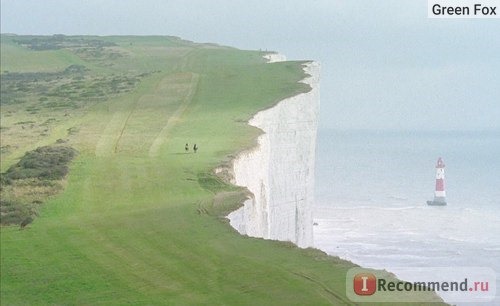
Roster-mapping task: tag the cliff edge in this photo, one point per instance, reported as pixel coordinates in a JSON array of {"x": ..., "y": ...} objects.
[{"x": 279, "y": 171}]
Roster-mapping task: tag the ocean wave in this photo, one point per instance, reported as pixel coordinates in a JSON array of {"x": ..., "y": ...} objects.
[
  {"x": 494, "y": 249},
  {"x": 395, "y": 197},
  {"x": 370, "y": 207},
  {"x": 454, "y": 238},
  {"x": 398, "y": 257}
]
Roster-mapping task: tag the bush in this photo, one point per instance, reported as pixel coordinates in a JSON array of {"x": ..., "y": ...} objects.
[
  {"x": 49, "y": 163},
  {"x": 12, "y": 212}
]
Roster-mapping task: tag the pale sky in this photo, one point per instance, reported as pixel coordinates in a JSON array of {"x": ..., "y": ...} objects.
[{"x": 385, "y": 65}]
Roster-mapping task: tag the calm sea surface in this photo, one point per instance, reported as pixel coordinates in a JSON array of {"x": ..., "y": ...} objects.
[{"x": 371, "y": 193}]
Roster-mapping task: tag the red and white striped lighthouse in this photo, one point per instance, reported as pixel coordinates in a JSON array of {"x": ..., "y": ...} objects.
[{"x": 439, "y": 193}]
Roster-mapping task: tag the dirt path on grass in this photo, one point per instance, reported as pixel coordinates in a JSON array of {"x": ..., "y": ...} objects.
[
  {"x": 162, "y": 136},
  {"x": 138, "y": 125}
]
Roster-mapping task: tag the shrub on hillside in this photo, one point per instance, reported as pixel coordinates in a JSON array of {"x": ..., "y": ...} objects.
[
  {"x": 13, "y": 212},
  {"x": 49, "y": 163}
]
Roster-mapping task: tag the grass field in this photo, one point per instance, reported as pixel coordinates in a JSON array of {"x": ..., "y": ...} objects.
[{"x": 136, "y": 223}]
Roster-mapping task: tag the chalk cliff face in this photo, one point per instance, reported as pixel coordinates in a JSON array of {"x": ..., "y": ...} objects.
[
  {"x": 279, "y": 171},
  {"x": 275, "y": 57}
]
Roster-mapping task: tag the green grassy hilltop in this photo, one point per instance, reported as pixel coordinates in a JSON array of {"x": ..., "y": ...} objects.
[{"x": 135, "y": 221}]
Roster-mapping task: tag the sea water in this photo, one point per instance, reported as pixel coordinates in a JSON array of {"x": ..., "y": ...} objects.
[{"x": 371, "y": 193}]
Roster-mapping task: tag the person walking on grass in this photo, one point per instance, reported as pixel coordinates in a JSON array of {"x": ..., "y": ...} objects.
[
  {"x": 186, "y": 148},
  {"x": 195, "y": 148}
]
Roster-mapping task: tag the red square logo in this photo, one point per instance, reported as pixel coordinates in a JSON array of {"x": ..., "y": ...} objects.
[{"x": 365, "y": 284}]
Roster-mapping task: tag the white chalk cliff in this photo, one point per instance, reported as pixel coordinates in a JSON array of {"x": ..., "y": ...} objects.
[
  {"x": 275, "y": 57},
  {"x": 279, "y": 171}
]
